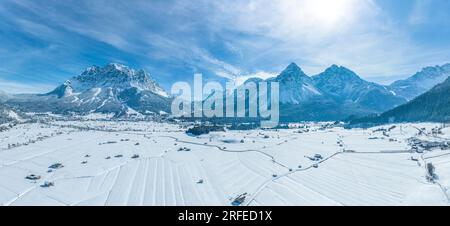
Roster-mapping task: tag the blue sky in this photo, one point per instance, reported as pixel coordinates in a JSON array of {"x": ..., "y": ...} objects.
[{"x": 43, "y": 43}]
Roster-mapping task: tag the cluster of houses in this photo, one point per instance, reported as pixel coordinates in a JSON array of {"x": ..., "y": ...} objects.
[{"x": 418, "y": 145}]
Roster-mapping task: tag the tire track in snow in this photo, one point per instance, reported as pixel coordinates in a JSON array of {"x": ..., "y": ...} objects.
[
  {"x": 264, "y": 185},
  {"x": 180, "y": 189},
  {"x": 228, "y": 150}
]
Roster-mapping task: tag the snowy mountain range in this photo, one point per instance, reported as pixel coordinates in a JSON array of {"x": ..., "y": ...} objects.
[
  {"x": 335, "y": 94},
  {"x": 114, "y": 88},
  {"x": 344, "y": 85},
  {"x": 338, "y": 92}
]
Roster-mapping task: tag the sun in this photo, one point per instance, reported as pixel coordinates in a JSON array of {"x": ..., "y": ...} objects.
[
  {"x": 328, "y": 12},
  {"x": 319, "y": 17}
]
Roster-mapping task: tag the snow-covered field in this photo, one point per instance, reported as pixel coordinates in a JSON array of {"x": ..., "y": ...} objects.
[{"x": 149, "y": 163}]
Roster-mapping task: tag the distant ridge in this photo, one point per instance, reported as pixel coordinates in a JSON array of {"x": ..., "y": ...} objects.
[
  {"x": 421, "y": 82},
  {"x": 432, "y": 106}
]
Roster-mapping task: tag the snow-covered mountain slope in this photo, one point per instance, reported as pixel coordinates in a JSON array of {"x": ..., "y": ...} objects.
[
  {"x": 8, "y": 115},
  {"x": 295, "y": 86},
  {"x": 344, "y": 85},
  {"x": 114, "y": 88},
  {"x": 421, "y": 82}
]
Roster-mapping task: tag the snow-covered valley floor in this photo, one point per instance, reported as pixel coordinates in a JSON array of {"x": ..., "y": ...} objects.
[{"x": 149, "y": 163}]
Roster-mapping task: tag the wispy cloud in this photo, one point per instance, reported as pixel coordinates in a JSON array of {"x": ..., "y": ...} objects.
[
  {"x": 21, "y": 87},
  {"x": 420, "y": 12}
]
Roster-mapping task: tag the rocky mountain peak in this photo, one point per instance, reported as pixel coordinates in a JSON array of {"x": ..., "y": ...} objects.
[
  {"x": 339, "y": 72},
  {"x": 293, "y": 71}
]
